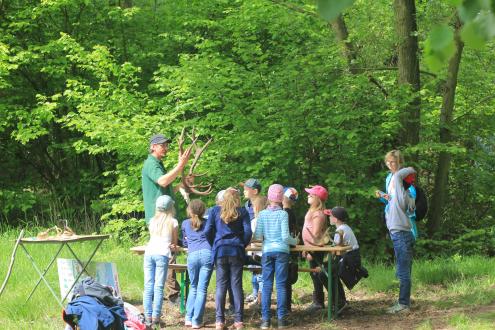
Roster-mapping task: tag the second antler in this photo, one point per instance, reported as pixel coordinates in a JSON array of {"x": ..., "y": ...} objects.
[{"x": 187, "y": 181}]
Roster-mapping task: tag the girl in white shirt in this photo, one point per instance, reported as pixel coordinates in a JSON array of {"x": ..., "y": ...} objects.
[{"x": 163, "y": 240}]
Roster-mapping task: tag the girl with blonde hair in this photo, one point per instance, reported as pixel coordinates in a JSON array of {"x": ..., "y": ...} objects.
[
  {"x": 229, "y": 230},
  {"x": 163, "y": 240},
  {"x": 315, "y": 225}
]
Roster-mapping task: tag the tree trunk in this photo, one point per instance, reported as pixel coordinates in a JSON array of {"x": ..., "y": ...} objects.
[
  {"x": 442, "y": 174},
  {"x": 408, "y": 69},
  {"x": 342, "y": 35}
]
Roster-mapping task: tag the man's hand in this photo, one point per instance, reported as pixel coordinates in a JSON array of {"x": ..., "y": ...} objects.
[{"x": 184, "y": 158}]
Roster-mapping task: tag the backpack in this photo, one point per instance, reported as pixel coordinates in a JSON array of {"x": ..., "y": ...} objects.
[{"x": 421, "y": 201}]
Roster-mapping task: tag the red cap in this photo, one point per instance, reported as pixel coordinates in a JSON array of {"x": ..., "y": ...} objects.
[
  {"x": 319, "y": 191},
  {"x": 411, "y": 178}
]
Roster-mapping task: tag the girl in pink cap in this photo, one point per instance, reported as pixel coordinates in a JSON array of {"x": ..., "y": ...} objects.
[{"x": 314, "y": 228}]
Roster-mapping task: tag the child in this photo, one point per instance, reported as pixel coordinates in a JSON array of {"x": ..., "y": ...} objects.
[
  {"x": 290, "y": 197},
  {"x": 163, "y": 239},
  {"x": 348, "y": 267},
  {"x": 259, "y": 204},
  {"x": 312, "y": 233},
  {"x": 229, "y": 230},
  {"x": 199, "y": 265},
  {"x": 252, "y": 188},
  {"x": 273, "y": 227}
]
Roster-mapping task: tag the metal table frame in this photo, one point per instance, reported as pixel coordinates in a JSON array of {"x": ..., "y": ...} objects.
[{"x": 62, "y": 242}]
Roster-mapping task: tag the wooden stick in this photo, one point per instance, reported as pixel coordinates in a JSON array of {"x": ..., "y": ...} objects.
[{"x": 12, "y": 258}]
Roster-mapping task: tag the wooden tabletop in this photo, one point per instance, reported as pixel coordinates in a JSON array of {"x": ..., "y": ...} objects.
[
  {"x": 59, "y": 239},
  {"x": 338, "y": 250}
]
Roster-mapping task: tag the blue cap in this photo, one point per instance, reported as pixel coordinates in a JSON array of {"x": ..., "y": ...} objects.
[
  {"x": 253, "y": 184},
  {"x": 159, "y": 139},
  {"x": 164, "y": 202}
]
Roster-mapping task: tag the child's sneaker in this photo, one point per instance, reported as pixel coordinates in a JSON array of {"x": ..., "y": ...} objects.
[
  {"x": 265, "y": 324},
  {"x": 283, "y": 323},
  {"x": 187, "y": 323},
  {"x": 238, "y": 325},
  {"x": 398, "y": 308},
  {"x": 219, "y": 326}
]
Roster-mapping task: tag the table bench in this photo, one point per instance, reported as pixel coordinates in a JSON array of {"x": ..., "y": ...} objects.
[{"x": 330, "y": 250}]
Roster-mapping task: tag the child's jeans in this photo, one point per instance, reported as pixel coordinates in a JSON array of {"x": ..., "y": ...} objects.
[
  {"x": 257, "y": 282},
  {"x": 274, "y": 263},
  {"x": 155, "y": 273},
  {"x": 229, "y": 274},
  {"x": 199, "y": 266}
]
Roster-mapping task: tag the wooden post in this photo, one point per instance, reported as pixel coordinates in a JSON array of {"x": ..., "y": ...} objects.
[{"x": 12, "y": 259}]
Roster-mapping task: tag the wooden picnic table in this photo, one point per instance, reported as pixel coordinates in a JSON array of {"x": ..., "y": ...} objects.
[{"x": 330, "y": 250}]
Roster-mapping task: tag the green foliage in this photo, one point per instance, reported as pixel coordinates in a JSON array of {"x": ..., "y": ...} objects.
[
  {"x": 439, "y": 47},
  {"x": 84, "y": 84},
  {"x": 331, "y": 9},
  {"x": 474, "y": 242},
  {"x": 128, "y": 232}
]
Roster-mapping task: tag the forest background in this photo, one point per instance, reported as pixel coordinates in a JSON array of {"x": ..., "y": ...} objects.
[{"x": 287, "y": 96}]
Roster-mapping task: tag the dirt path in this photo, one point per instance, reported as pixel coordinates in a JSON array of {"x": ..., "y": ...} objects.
[{"x": 364, "y": 312}]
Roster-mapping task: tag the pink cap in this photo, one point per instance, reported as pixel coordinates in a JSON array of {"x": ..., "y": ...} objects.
[
  {"x": 319, "y": 191},
  {"x": 276, "y": 193}
]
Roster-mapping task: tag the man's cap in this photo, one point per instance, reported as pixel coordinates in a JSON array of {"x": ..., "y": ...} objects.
[
  {"x": 252, "y": 183},
  {"x": 339, "y": 212},
  {"x": 159, "y": 139},
  {"x": 319, "y": 191},
  {"x": 164, "y": 202},
  {"x": 291, "y": 193}
]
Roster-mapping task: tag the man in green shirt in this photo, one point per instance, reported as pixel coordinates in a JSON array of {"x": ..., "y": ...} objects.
[{"x": 156, "y": 181}]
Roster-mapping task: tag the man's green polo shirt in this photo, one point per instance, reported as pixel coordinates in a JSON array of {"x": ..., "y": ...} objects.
[{"x": 153, "y": 169}]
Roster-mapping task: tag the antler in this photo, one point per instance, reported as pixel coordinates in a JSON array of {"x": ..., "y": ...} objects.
[{"x": 187, "y": 185}]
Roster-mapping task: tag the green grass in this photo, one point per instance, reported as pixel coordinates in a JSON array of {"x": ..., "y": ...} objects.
[
  {"x": 485, "y": 321},
  {"x": 443, "y": 283},
  {"x": 463, "y": 281}
]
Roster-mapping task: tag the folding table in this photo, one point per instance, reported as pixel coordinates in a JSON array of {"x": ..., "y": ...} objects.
[{"x": 62, "y": 241}]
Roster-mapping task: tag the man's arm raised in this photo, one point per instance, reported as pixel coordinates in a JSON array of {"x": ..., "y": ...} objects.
[{"x": 170, "y": 176}]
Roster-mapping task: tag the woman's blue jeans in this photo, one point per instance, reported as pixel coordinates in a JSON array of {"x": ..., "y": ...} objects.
[
  {"x": 155, "y": 273},
  {"x": 403, "y": 242},
  {"x": 200, "y": 267},
  {"x": 274, "y": 263}
]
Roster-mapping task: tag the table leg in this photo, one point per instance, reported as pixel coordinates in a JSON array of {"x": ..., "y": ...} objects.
[
  {"x": 182, "y": 290},
  {"x": 336, "y": 295},
  {"x": 46, "y": 269},
  {"x": 82, "y": 265},
  {"x": 330, "y": 280},
  {"x": 42, "y": 277},
  {"x": 187, "y": 286}
]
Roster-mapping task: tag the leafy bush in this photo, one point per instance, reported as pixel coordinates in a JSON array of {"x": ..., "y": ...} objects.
[
  {"x": 128, "y": 232},
  {"x": 474, "y": 242}
]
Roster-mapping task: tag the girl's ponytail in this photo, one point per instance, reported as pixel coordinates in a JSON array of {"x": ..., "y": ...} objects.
[{"x": 196, "y": 210}]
